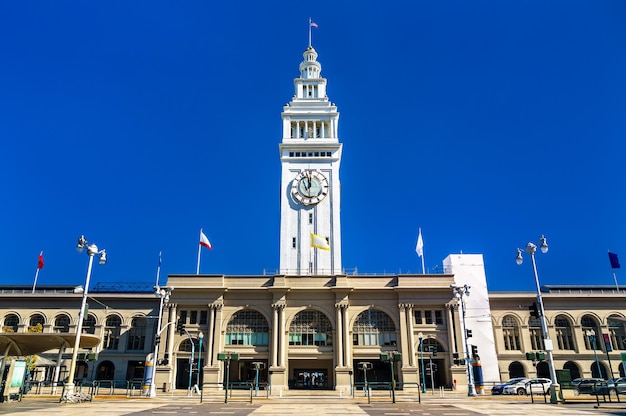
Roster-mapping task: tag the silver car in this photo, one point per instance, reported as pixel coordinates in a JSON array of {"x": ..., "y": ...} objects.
[{"x": 528, "y": 386}]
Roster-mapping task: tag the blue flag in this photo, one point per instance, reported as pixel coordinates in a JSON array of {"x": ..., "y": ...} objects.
[{"x": 614, "y": 260}]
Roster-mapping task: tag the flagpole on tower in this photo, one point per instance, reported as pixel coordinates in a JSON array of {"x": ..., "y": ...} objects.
[{"x": 312, "y": 24}]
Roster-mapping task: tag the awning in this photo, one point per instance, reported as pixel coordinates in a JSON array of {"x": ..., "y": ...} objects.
[{"x": 21, "y": 344}]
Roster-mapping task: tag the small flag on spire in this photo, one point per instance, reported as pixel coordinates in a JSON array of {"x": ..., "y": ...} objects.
[
  {"x": 40, "y": 263},
  {"x": 614, "y": 261},
  {"x": 313, "y": 24},
  {"x": 320, "y": 242},
  {"x": 204, "y": 241}
]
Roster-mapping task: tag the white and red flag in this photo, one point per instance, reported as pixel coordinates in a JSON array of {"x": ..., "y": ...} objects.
[{"x": 204, "y": 241}]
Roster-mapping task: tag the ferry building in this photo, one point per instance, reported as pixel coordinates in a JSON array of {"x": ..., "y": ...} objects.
[{"x": 311, "y": 324}]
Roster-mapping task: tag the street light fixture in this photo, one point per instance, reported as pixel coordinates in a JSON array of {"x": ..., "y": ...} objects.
[
  {"x": 227, "y": 357},
  {"x": 547, "y": 342},
  {"x": 392, "y": 357},
  {"x": 200, "y": 337},
  {"x": 459, "y": 294},
  {"x": 164, "y": 294},
  {"x": 591, "y": 334},
  {"x": 92, "y": 250},
  {"x": 421, "y": 338}
]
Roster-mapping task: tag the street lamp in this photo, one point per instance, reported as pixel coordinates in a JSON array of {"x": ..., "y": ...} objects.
[
  {"x": 92, "y": 250},
  {"x": 459, "y": 294},
  {"x": 164, "y": 295},
  {"x": 591, "y": 334},
  {"x": 421, "y": 338},
  {"x": 392, "y": 357},
  {"x": 227, "y": 357},
  {"x": 531, "y": 249},
  {"x": 200, "y": 337}
]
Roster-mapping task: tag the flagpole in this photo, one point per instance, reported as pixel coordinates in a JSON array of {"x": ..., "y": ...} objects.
[
  {"x": 614, "y": 278},
  {"x": 199, "y": 249},
  {"x": 37, "y": 275},
  {"x": 158, "y": 270},
  {"x": 39, "y": 266},
  {"x": 310, "y": 21},
  {"x": 423, "y": 270}
]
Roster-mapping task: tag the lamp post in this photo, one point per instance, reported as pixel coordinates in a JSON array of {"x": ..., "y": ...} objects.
[
  {"x": 392, "y": 357},
  {"x": 547, "y": 342},
  {"x": 92, "y": 250},
  {"x": 591, "y": 334},
  {"x": 421, "y": 338},
  {"x": 459, "y": 294},
  {"x": 227, "y": 357},
  {"x": 164, "y": 295},
  {"x": 200, "y": 338}
]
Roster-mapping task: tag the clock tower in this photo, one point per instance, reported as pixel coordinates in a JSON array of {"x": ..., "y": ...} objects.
[{"x": 310, "y": 154}]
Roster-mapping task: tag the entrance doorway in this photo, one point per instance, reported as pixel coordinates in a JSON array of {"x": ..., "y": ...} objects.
[{"x": 310, "y": 379}]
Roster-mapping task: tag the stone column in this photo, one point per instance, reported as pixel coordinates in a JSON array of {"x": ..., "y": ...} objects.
[
  {"x": 348, "y": 341},
  {"x": 217, "y": 329},
  {"x": 409, "y": 322},
  {"x": 275, "y": 330},
  {"x": 210, "y": 336},
  {"x": 339, "y": 335},
  {"x": 404, "y": 339}
]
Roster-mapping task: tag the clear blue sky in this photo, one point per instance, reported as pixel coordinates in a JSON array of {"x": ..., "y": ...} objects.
[{"x": 486, "y": 123}]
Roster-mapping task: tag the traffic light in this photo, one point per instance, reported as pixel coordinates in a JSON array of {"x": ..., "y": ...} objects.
[
  {"x": 433, "y": 349},
  {"x": 531, "y": 356},
  {"x": 180, "y": 326},
  {"x": 534, "y": 312}
]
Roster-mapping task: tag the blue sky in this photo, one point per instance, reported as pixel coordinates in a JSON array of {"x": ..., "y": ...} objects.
[{"x": 485, "y": 123}]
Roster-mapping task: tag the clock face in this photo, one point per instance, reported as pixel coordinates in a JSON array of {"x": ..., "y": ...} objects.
[{"x": 309, "y": 187}]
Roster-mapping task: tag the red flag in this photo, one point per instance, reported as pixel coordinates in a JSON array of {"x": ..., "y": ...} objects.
[{"x": 40, "y": 264}]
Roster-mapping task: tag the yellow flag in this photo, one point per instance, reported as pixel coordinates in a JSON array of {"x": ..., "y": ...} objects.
[{"x": 319, "y": 242}]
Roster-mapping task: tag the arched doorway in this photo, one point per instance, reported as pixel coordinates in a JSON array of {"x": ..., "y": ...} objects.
[
  {"x": 187, "y": 370},
  {"x": 106, "y": 371},
  {"x": 573, "y": 369},
  {"x": 599, "y": 372},
  {"x": 516, "y": 369},
  {"x": 310, "y": 332},
  {"x": 543, "y": 369}
]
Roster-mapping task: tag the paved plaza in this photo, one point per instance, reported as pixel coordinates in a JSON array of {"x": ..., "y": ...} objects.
[{"x": 311, "y": 406}]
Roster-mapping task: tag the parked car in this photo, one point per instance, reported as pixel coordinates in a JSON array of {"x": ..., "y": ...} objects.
[
  {"x": 528, "y": 386},
  {"x": 613, "y": 386},
  {"x": 499, "y": 388},
  {"x": 588, "y": 385}
]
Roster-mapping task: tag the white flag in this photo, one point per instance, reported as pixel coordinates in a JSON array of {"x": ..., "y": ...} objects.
[
  {"x": 419, "y": 248},
  {"x": 205, "y": 241}
]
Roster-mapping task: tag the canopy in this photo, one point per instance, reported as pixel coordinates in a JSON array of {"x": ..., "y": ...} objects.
[{"x": 36, "y": 342}]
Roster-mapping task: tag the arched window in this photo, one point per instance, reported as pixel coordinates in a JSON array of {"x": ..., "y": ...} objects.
[
  {"x": 574, "y": 371},
  {"x": 510, "y": 331},
  {"x": 310, "y": 327},
  {"x": 543, "y": 369},
  {"x": 564, "y": 333},
  {"x": 11, "y": 322},
  {"x": 536, "y": 334},
  {"x": 247, "y": 327},
  {"x": 185, "y": 346},
  {"x": 89, "y": 325},
  {"x": 36, "y": 319},
  {"x": 617, "y": 332},
  {"x": 137, "y": 334},
  {"x": 599, "y": 372},
  {"x": 112, "y": 332},
  {"x": 62, "y": 323},
  {"x": 374, "y": 327},
  {"x": 431, "y": 344},
  {"x": 592, "y": 333},
  {"x": 516, "y": 369}
]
